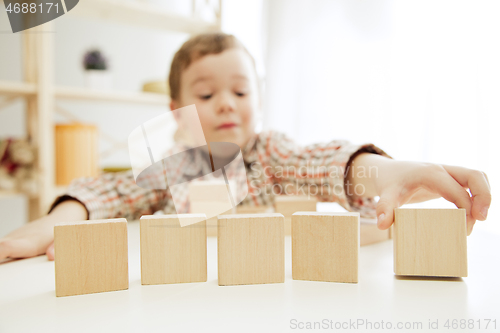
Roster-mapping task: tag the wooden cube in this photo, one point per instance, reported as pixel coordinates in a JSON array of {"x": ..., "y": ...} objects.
[
  {"x": 209, "y": 190},
  {"x": 91, "y": 256},
  {"x": 210, "y": 208},
  {"x": 171, "y": 253},
  {"x": 247, "y": 209},
  {"x": 289, "y": 204},
  {"x": 251, "y": 249},
  {"x": 212, "y": 222},
  {"x": 210, "y": 197},
  {"x": 430, "y": 242},
  {"x": 325, "y": 246}
]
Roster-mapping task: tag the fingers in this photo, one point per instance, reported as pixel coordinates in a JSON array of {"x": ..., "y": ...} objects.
[
  {"x": 444, "y": 184},
  {"x": 50, "y": 252},
  {"x": 422, "y": 195},
  {"x": 18, "y": 248},
  {"x": 389, "y": 200},
  {"x": 4, "y": 249},
  {"x": 479, "y": 186}
]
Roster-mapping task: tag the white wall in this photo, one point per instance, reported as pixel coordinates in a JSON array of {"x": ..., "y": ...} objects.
[{"x": 418, "y": 78}]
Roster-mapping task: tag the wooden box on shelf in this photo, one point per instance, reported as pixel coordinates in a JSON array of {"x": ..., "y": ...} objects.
[{"x": 76, "y": 152}]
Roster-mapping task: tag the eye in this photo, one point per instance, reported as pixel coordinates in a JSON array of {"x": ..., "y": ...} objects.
[
  {"x": 205, "y": 97},
  {"x": 240, "y": 94}
]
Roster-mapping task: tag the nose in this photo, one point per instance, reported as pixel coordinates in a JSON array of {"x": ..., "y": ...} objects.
[{"x": 226, "y": 103}]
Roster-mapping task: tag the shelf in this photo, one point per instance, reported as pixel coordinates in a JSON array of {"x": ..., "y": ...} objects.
[
  {"x": 14, "y": 193},
  {"x": 17, "y": 88},
  {"x": 67, "y": 93},
  {"x": 141, "y": 14},
  {"x": 7, "y": 194},
  {"x": 58, "y": 190}
]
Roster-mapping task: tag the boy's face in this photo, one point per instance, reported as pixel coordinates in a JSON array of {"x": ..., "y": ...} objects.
[{"x": 224, "y": 89}]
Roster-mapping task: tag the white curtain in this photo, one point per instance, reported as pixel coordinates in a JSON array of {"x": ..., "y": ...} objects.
[{"x": 421, "y": 79}]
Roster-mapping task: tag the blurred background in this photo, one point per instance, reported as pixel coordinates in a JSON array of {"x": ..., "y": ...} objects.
[{"x": 420, "y": 79}]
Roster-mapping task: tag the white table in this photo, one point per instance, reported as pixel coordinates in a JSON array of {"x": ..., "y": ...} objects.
[{"x": 28, "y": 302}]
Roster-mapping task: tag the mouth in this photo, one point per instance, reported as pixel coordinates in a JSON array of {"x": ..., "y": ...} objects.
[{"x": 226, "y": 126}]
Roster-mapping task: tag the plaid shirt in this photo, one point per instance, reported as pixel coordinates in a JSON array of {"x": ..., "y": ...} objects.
[{"x": 275, "y": 165}]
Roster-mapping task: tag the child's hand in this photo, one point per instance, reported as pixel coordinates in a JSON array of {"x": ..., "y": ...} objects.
[
  {"x": 37, "y": 237},
  {"x": 30, "y": 240},
  {"x": 401, "y": 182}
]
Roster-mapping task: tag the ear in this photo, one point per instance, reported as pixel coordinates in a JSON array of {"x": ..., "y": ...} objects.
[{"x": 173, "y": 105}]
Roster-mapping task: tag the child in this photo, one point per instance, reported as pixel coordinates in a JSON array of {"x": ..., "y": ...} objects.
[{"x": 217, "y": 74}]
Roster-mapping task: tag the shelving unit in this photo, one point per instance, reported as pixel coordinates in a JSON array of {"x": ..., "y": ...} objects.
[
  {"x": 67, "y": 93},
  {"x": 41, "y": 93},
  {"x": 17, "y": 88}
]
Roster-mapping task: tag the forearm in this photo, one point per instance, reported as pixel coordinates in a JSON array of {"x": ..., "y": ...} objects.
[
  {"x": 69, "y": 210},
  {"x": 369, "y": 173},
  {"x": 362, "y": 173},
  {"x": 34, "y": 238},
  {"x": 114, "y": 195}
]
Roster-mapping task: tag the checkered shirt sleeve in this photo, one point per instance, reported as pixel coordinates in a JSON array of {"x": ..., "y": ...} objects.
[{"x": 273, "y": 162}]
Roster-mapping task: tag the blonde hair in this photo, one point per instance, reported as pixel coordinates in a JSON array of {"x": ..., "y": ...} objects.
[{"x": 195, "y": 48}]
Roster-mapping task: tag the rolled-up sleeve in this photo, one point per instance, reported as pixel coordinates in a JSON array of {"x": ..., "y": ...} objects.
[{"x": 115, "y": 195}]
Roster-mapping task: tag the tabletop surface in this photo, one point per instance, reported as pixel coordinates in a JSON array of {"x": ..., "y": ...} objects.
[{"x": 28, "y": 302}]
